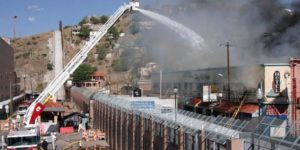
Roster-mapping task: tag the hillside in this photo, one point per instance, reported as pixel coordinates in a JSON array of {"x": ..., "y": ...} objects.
[{"x": 33, "y": 55}]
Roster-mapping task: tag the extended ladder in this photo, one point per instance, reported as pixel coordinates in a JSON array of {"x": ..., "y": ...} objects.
[
  {"x": 231, "y": 120},
  {"x": 58, "y": 81}
]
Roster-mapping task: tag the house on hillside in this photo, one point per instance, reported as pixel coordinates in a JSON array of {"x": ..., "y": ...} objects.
[
  {"x": 75, "y": 30},
  {"x": 96, "y": 82}
]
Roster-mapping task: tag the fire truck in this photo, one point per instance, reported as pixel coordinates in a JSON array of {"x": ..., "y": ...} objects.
[
  {"x": 29, "y": 139},
  {"x": 23, "y": 139}
]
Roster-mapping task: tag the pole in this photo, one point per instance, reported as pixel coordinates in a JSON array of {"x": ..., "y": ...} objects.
[
  {"x": 14, "y": 26},
  {"x": 259, "y": 107},
  {"x": 31, "y": 83},
  {"x": 175, "y": 108},
  {"x": 160, "y": 83},
  {"x": 228, "y": 71},
  {"x": 24, "y": 77},
  {"x": 11, "y": 99}
]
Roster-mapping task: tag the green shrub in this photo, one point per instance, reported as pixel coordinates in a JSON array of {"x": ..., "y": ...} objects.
[
  {"x": 84, "y": 32},
  {"x": 83, "y": 21},
  {"x": 114, "y": 32},
  {"x": 103, "y": 19},
  {"x": 95, "y": 20},
  {"x": 120, "y": 65},
  {"x": 102, "y": 52},
  {"x": 83, "y": 72},
  {"x": 50, "y": 66}
]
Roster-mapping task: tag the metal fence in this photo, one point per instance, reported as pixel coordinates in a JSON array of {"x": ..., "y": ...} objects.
[{"x": 127, "y": 128}]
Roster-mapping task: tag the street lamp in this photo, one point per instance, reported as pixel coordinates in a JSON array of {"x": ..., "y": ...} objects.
[
  {"x": 259, "y": 97},
  {"x": 220, "y": 85},
  {"x": 6, "y": 110},
  {"x": 24, "y": 77},
  {"x": 175, "y": 90}
]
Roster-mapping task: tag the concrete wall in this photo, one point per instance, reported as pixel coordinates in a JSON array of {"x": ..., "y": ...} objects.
[{"x": 7, "y": 72}]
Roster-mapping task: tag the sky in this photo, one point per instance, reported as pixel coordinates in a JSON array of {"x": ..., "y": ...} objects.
[{"x": 37, "y": 16}]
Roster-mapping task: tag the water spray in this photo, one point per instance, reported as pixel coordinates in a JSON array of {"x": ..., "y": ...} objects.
[{"x": 195, "y": 40}]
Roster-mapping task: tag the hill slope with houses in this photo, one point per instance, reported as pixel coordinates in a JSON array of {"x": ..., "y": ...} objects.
[{"x": 117, "y": 56}]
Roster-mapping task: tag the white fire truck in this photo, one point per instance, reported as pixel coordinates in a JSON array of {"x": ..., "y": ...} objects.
[
  {"x": 29, "y": 139},
  {"x": 23, "y": 139}
]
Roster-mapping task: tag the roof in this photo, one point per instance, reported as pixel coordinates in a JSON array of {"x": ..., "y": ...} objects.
[
  {"x": 277, "y": 110},
  {"x": 249, "y": 108},
  {"x": 195, "y": 101},
  {"x": 6, "y": 102},
  {"x": 276, "y": 64},
  {"x": 25, "y": 132},
  {"x": 74, "y": 114},
  {"x": 51, "y": 103},
  {"x": 98, "y": 74},
  {"x": 225, "y": 107},
  {"x": 25, "y": 103},
  {"x": 53, "y": 106}
]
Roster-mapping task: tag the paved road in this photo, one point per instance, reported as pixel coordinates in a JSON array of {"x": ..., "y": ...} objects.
[{"x": 64, "y": 141}]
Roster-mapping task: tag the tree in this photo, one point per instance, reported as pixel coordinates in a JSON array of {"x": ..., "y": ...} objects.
[
  {"x": 114, "y": 32},
  {"x": 103, "y": 19},
  {"x": 84, "y": 32},
  {"x": 83, "y": 72},
  {"x": 83, "y": 21},
  {"x": 120, "y": 65},
  {"x": 95, "y": 20},
  {"x": 102, "y": 52},
  {"x": 50, "y": 66}
]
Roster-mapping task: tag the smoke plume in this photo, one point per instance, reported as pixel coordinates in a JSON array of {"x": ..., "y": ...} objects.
[{"x": 259, "y": 31}]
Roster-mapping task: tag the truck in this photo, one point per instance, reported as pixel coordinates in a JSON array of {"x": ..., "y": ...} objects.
[
  {"x": 23, "y": 139},
  {"x": 29, "y": 138}
]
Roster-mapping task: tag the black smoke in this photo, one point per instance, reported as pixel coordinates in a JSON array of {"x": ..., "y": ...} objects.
[{"x": 260, "y": 31}]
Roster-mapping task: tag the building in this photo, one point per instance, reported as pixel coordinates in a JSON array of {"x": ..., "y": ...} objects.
[
  {"x": 96, "y": 82},
  {"x": 193, "y": 82},
  {"x": 8, "y": 76},
  {"x": 210, "y": 85},
  {"x": 295, "y": 91},
  {"x": 144, "y": 82},
  {"x": 75, "y": 30}
]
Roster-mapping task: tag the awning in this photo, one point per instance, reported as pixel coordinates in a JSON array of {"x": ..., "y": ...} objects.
[{"x": 6, "y": 102}]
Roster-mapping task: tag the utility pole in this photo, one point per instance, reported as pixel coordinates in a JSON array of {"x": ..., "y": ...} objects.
[
  {"x": 11, "y": 98},
  {"x": 14, "y": 26},
  {"x": 62, "y": 41},
  {"x": 228, "y": 69}
]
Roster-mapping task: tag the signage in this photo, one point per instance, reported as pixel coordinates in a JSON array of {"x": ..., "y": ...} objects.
[
  {"x": 137, "y": 92},
  {"x": 166, "y": 109},
  {"x": 142, "y": 104},
  {"x": 210, "y": 93}
]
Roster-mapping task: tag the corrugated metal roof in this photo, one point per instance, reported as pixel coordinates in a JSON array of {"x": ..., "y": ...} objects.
[
  {"x": 225, "y": 107},
  {"x": 249, "y": 108}
]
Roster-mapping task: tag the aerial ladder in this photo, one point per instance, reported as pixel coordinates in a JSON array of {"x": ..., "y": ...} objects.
[
  {"x": 231, "y": 120},
  {"x": 36, "y": 108}
]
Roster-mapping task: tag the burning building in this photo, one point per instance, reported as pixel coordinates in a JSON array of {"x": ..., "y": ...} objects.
[{"x": 275, "y": 80}]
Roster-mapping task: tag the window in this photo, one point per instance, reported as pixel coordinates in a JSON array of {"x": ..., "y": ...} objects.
[{"x": 276, "y": 81}]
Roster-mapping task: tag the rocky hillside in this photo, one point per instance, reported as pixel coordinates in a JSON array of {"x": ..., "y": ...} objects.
[{"x": 32, "y": 54}]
